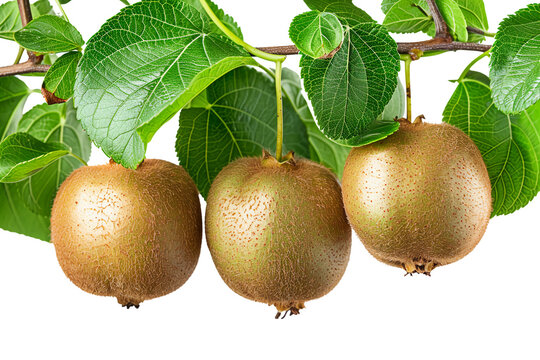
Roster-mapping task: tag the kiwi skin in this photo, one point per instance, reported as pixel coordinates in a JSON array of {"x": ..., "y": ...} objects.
[
  {"x": 131, "y": 234},
  {"x": 420, "y": 198},
  {"x": 278, "y": 233}
]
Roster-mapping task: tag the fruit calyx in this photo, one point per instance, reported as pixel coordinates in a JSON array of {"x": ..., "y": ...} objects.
[
  {"x": 419, "y": 120},
  {"x": 419, "y": 266},
  {"x": 292, "y": 308},
  {"x": 268, "y": 160}
]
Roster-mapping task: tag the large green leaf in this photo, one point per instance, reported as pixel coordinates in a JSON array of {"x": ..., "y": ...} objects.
[
  {"x": 349, "y": 91},
  {"x": 49, "y": 34},
  {"x": 60, "y": 79},
  {"x": 22, "y": 155},
  {"x": 404, "y": 16},
  {"x": 14, "y": 216},
  {"x": 10, "y": 20},
  {"x": 515, "y": 61},
  {"x": 142, "y": 67},
  {"x": 322, "y": 149},
  {"x": 238, "y": 119},
  {"x": 345, "y": 10},
  {"x": 510, "y": 144},
  {"x": 52, "y": 124},
  {"x": 316, "y": 34}
]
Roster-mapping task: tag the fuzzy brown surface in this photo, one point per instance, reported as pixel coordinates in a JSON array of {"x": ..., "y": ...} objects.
[
  {"x": 132, "y": 234},
  {"x": 420, "y": 198},
  {"x": 278, "y": 234}
]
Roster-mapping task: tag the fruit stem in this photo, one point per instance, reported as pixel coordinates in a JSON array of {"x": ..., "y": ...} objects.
[
  {"x": 408, "y": 61},
  {"x": 472, "y": 63},
  {"x": 251, "y": 49},
  {"x": 279, "y": 97},
  {"x": 62, "y": 10}
]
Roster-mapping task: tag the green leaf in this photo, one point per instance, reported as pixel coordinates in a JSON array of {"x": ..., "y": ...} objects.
[
  {"x": 454, "y": 18},
  {"x": 321, "y": 149},
  {"x": 142, "y": 67},
  {"x": 14, "y": 216},
  {"x": 510, "y": 144},
  {"x": 515, "y": 61},
  {"x": 10, "y": 21},
  {"x": 49, "y": 34},
  {"x": 377, "y": 130},
  {"x": 397, "y": 106},
  {"x": 226, "y": 19},
  {"x": 13, "y": 95},
  {"x": 404, "y": 16},
  {"x": 239, "y": 120},
  {"x": 52, "y": 123},
  {"x": 60, "y": 79},
  {"x": 349, "y": 91},
  {"x": 22, "y": 155},
  {"x": 345, "y": 10},
  {"x": 316, "y": 34},
  {"x": 475, "y": 16}
]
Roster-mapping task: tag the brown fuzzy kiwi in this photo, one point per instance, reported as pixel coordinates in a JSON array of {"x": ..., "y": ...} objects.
[
  {"x": 420, "y": 198},
  {"x": 131, "y": 234},
  {"x": 278, "y": 233}
]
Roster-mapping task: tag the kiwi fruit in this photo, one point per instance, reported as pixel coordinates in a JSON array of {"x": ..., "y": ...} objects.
[
  {"x": 420, "y": 198},
  {"x": 277, "y": 231},
  {"x": 131, "y": 234}
]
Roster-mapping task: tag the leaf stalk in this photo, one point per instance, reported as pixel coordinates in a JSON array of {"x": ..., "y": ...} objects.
[{"x": 471, "y": 64}]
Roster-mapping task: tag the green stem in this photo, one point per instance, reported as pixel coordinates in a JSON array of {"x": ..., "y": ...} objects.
[
  {"x": 468, "y": 68},
  {"x": 78, "y": 158},
  {"x": 19, "y": 55},
  {"x": 279, "y": 96},
  {"x": 251, "y": 49},
  {"x": 62, "y": 10},
  {"x": 408, "y": 61}
]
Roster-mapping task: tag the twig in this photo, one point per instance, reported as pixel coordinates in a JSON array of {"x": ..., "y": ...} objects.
[
  {"x": 403, "y": 48},
  {"x": 441, "y": 29},
  {"x": 23, "y": 68},
  {"x": 474, "y": 30},
  {"x": 26, "y": 16}
]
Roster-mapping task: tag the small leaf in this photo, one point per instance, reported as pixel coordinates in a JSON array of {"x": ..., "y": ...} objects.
[
  {"x": 349, "y": 91},
  {"x": 49, "y": 34},
  {"x": 475, "y": 15},
  {"x": 510, "y": 144},
  {"x": 142, "y": 67},
  {"x": 60, "y": 79},
  {"x": 345, "y": 10},
  {"x": 22, "y": 155},
  {"x": 404, "y": 16},
  {"x": 10, "y": 20},
  {"x": 316, "y": 34},
  {"x": 454, "y": 18},
  {"x": 239, "y": 120},
  {"x": 322, "y": 149},
  {"x": 515, "y": 61}
]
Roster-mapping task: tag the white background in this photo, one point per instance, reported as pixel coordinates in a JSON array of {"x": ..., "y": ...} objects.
[{"x": 485, "y": 306}]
